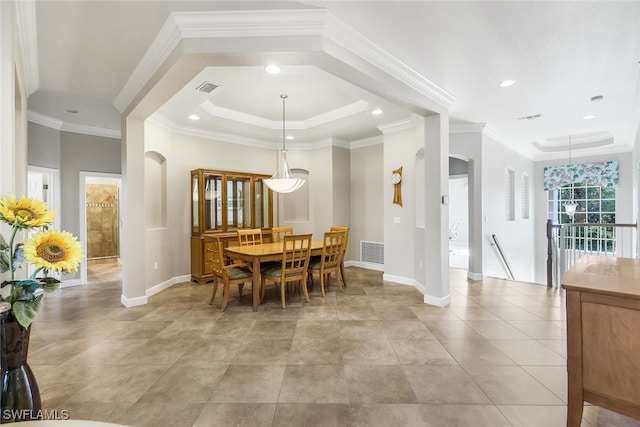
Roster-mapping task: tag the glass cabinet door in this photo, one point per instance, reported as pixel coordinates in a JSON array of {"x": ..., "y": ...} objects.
[
  {"x": 262, "y": 204},
  {"x": 195, "y": 209},
  {"x": 239, "y": 202},
  {"x": 213, "y": 202}
]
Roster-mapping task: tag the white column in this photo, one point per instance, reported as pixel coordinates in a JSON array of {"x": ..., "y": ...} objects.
[
  {"x": 134, "y": 284},
  {"x": 7, "y": 134},
  {"x": 436, "y": 187}
]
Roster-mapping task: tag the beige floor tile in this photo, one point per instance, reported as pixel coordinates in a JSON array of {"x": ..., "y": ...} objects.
[
  {"x": 475, "y": 352},
  {"x": 529, "y": 352},
  {"x": 540, "y": 329},
  {"x": 95, "y": 411},
  {"x": 322, "y": 312},
  {"x": 236, "y": 414},
  {"x": 421, "y": 352},
  {"x": 473, "y": 313},
  {"x": 536, "y": 416},
  {"x": 164, "y": 414},
  {"x": 512, "y": 313},
  {"x": 496, "y": 329},
  {"x": 314, "y": 384},
  {"x": 444, "y": 384},
  {"x": 368, "y": 352},
  {"x": 361, "y": 329},
  {"x": 464, "y": 415},
  {"x": 559, "y": 346},
  {"x": 157, "y": 352},
  {"x": 511, "y": 385},
  {"x": 231, "y": 329},
  {"x": 357, "y": 313},
  {"x": 309, "y": 351},
  {"x": 600, "y": 417},
  {"x": 451, "y": 329},
  {"x": 119, "y": 385},
  {"x": 211, "y": 350},
  {"x": 552, "y": 377},
  {"x": 249, "y": 384},
  {"x": 378, "y": 384},
  {"x": 406, "y": 330},
  {"x": 184, "y": 383},
  {"x": 264, "y": 351},
  {"x": 317, "y": 329},
  {"x": 273, "y": 329},
  {"x": 311, "y": 415},
  {"x": 396, "y": 415}
]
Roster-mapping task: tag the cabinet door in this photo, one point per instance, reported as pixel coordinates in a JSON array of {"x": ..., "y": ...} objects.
[
  {"x": 239, "y": 201},
  {"x": 262, "y": 205},
  {"x": 213, "y": 216}
]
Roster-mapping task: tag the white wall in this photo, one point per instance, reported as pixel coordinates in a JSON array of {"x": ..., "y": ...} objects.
[
  {"x": 459, "y": 209},
  {"x": 516, "y": 237},
  {"x": 625, "y": 209},
  {"x": 367, "y": 204}
]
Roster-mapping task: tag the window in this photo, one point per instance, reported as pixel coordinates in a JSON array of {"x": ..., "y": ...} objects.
[
  {"x": 524, "y": 193},
  {"x": 510, "y": 194},
  {"x": 596, "y": 205}
]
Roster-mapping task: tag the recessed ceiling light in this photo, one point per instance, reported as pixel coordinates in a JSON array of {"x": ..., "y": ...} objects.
[
  {"x": 377, "y": 112},
  {"x": 507, "y": 83},
  {"x": 272, "y": 69},
  {"x": 589, "y": 117},
  {"x": 194, "y": 117},
  {"x": 72, "y": 111},
  {"x": 290, "y": 137}
]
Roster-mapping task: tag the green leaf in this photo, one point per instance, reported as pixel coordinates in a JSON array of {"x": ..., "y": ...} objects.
[
  {"x": 26, "y": 311},
  {"x": 3, "y": 243},
  {"x": 49, "y": 285},
  {"x": 29, "y": 285},
  {"x": 4, "y": 260}
]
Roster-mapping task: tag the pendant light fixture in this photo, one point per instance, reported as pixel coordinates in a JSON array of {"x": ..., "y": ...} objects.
[
  {"x": 570, "y": 206},
  {"x": 283, "y": 180}
]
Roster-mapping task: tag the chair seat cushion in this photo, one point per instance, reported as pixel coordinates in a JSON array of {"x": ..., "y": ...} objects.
[
  {"x": 315, "y": 264},
  {"x": 235, "y": 273},
  {"x": 276, "y": 271}
]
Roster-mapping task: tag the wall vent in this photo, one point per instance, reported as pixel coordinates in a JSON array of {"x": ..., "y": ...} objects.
[
  {"x": 372, "y": 252},
  {"x": 206, "y": 87}
]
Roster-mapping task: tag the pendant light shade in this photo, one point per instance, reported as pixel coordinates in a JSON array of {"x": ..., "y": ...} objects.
[
  {"x": 283, "y": 180},
  {"x": 571, "y": 206}
]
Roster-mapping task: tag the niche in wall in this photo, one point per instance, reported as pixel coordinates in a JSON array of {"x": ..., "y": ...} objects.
[{"x": 155, "y": 186}]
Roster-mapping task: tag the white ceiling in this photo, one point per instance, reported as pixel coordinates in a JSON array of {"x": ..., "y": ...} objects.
[{"x": 561, "y": 54}]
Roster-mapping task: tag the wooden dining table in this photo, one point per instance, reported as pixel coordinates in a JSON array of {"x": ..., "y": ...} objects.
[{"x": 257, "y": 254}]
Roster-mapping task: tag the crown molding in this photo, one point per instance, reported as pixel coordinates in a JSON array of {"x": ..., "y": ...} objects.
[
  {"x": 28, "y": 38},
  {"x": 43, "y": 120},
  {"x": 320, "y": 119},
  {"x": 358, "y": 44},
  {"x": 169, "y": 125},
  {"x": 59, "y": 125},
  {"x": 466, "y": 127},
  {"x": 575, "y": 142},
  {"x": 400, "y": 125},
  {"x": 367, "y": 142},
  {"x": 269, "y": 23}
]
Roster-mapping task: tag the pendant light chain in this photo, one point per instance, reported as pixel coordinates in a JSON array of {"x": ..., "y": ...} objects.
[{"x": 284, "y": 146}]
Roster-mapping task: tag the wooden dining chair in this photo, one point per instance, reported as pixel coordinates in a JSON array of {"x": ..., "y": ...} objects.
[
  {"x": 249, "y": 237},
  {"x": 329, "y": 262},
  {"x": 278, "y": 233},
  {"x": 226, "y": 274},
  {"x": 344, "y": 250},
  {"x": 293, "y": 268}
]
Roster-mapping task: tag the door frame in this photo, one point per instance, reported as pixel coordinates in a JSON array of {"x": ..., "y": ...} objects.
[{"x": 83, "y": 215}]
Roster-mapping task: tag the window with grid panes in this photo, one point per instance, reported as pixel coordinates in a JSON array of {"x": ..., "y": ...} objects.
[{"x": 596, "y": 205}]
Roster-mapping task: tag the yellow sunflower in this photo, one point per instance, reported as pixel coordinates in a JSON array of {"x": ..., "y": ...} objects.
[
  {"x": 53, "y": 250},
  {"x": 26, "y": 212}
]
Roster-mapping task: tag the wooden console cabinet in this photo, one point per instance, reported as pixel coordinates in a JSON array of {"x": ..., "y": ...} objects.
[
  {"x": 223, "y": 202},
  {"x": 603, "y": 338}
]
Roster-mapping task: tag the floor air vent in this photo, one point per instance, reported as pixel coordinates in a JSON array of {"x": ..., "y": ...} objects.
[{"x": 372, "y": 252}]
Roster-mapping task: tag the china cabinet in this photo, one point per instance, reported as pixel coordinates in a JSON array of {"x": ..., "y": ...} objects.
[{"x": 223, "y": 202}]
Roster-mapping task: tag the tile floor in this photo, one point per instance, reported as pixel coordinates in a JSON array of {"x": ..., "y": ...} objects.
[{"x": 373, "y": 355}]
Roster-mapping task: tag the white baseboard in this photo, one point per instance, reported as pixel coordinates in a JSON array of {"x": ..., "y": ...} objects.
[
  {"x": 367, "y": 265},
  {"x": 166, "y": 285},
  {"x": 399, "y": 279},
  {"x": 132, "y": 302},
  {"x": 475, "y": 276},
  {"x": 437, "y": 301},
  {"x": 70, "y": 283}
]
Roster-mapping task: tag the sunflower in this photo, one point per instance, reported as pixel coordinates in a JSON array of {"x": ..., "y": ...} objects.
[
  {"x": 26, "y": 212},
  {"x": 53, "y": 250}
]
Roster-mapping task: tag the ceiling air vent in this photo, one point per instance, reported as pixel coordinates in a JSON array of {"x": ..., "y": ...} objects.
[
  {"x": 206, "y": 87},
  {"x": 531, "y": 117}
]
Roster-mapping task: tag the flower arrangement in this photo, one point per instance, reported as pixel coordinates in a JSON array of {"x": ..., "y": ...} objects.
[{"x": 47, "y": 250}]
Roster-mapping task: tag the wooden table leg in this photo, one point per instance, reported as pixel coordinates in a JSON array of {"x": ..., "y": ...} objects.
[
  {"x": 575, "y": 396},
  {"x": 256, "y": 283}
]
